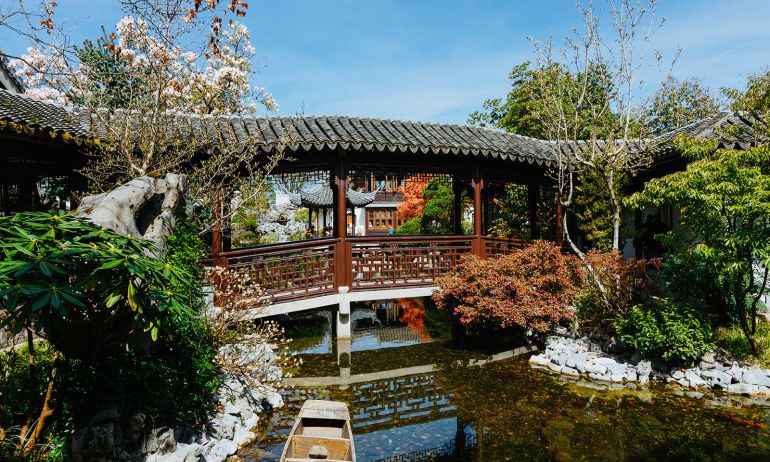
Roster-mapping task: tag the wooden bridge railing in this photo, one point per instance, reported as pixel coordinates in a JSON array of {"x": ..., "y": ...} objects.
[
  {"x": 288, "y": 271},
  {"x": 304, "y": 269},
  {"x": 404, "y": 261}
]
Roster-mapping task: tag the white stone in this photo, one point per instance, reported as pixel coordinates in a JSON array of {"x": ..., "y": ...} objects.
[
  {"x": 643, "y": 370},
  {"x": 221, "y": 450},
  {"x": 540, "y": 360},
  {"x": 756, "y": 376},
  {"x": 741, "y": 388},
  {"x": 694, "y": 378},
  {"x": 243, "y": 436},
  {"x": 717, "y": 378}
]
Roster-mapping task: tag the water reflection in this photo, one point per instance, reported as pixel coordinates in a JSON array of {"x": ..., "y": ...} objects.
[{"x": 412, "y": 398}]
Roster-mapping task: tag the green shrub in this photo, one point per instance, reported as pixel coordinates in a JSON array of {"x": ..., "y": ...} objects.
[
  {"x": 667, "y": 329},
  {"x": 732, "y": 339},
  {"x": 84, "y": 288}
]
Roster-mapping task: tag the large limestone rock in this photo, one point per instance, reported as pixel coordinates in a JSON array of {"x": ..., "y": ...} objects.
[{"x": 144, "y": 207}]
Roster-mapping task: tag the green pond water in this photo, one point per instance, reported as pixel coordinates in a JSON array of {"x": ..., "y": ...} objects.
[{"x": 413, "y": 394}]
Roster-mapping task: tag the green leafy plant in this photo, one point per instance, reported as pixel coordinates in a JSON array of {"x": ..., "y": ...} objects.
[
  {"x": 667, "y": 329},
  {"x": 84, "y": 288},
  {"x": 724, "y": 198}
]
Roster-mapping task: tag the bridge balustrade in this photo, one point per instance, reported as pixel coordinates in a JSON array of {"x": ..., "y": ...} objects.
[
  {"x": 388, "y": 262},
  {"x": 305, "y": 269},
  {"x": 288, "y": 271}
]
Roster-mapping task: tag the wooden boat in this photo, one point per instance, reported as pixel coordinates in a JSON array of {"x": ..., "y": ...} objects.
[{"x": 322, "y": 432}]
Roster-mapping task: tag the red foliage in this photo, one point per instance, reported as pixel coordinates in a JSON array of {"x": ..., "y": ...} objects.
[
  {"x": 533, "y": 288},
  {"x": 414, "y": 203},
  {"x": 414, "y": 316},
  {"x": 627, "y": 282}
]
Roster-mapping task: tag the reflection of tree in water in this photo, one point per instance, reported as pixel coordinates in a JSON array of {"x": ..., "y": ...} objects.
[
  {"x": 521, "y": 414},
  {"x": 413, "y": 315}
]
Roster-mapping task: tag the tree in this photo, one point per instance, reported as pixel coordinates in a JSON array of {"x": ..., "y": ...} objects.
[
  {"x": 678, "y": 103},
  {"x": 414, "y": 202},
  {"x": 533, "y": 288},
  {"x": 604, "y": 57},
  {"x": 523, "y": 109},
  {"x": 156, "y": 64},
  {"x": 436, "y": 217},
  {"x": 724, "y": 199}
]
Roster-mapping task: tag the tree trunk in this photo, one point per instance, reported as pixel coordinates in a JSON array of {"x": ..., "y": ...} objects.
[{"x": 45, "y": 413}]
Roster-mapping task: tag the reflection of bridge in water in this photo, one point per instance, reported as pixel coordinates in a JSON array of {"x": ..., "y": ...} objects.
[{"x": 407, "y": 399}]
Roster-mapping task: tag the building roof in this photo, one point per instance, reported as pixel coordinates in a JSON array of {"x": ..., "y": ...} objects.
[
  {"x": 306, "y": 133},
  {"x": 8, "y": 79},
  {"x": 321, "y": 196}
]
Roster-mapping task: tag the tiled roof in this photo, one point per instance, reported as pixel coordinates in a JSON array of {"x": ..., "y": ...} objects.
[
  {"x": 305, "y": 133},
  {"x": 8, "y": 78}
]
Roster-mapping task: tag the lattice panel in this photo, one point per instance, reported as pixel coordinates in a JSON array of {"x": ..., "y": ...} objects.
[
  {"x": 290, "y": 271},
  {"x": 413, "y": 261},
  {"x": 495, "y": 246}
]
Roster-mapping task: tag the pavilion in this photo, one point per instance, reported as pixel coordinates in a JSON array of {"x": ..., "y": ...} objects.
[{"x": 40, "y": 140}]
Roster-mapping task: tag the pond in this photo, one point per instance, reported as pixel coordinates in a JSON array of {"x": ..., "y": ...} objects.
[{"x": 413, "y": 394}]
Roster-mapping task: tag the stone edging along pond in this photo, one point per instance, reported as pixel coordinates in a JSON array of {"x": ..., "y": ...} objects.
[{"x": 583, "y": 358}]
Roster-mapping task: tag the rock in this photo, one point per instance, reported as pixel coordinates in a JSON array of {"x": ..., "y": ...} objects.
[
  {"x": 109, "y": 413},
  {"x": 144, "y": 203},
  {"x": 221, "y": 450},
  {"x": 736, "y": 372},
  {"x": 756, "y": 376},
  {"x": 741, "y": 389},
  {"x": 659, "y": 365},
  {"x": 135, "y": 423},
  {"x": 708, "y": 358},
  {"x": 615, "y": 345},
  {"x": 604, "y": 377},
  {"x": 243, "y": 436},
  {"x": 166, "y": 441},
  {"x": 232, "y": 408},
  {"x": 223, "y": 426},
  {"x": 569, "y": 371},
  {"x": 694, "y": 378},
  {"x": 643, "y": 370},
  {"x": 676, "y": 375},
  {"x": 717, "y": 378},
  {"x": 540, "y": 360}
]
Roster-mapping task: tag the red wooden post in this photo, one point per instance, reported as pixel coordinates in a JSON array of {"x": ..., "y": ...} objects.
[
  {"x": 478, "y": 185},
  {"x": 342, "y": 266}
]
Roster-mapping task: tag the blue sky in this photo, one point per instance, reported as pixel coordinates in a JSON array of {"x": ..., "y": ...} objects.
[{"x": 438, "y": 60}]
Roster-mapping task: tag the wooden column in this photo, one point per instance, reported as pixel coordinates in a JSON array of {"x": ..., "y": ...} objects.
[
  {"x": 457, "y": 215},
  {"x": 478, "y": 185},
  {"x": 339, "y": 187},
  {"x": 533, "y": 194},
  {"x": 216, "y": 227}
]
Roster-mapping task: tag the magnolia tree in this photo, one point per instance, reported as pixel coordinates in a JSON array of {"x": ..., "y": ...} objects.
[{"x": 136, "y": 83}]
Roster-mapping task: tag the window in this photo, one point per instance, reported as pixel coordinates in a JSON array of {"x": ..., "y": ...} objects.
[{"x": 381, "y": 219}]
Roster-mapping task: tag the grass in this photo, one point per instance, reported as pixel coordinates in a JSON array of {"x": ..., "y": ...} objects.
[{"x": 731, "y": 338}]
